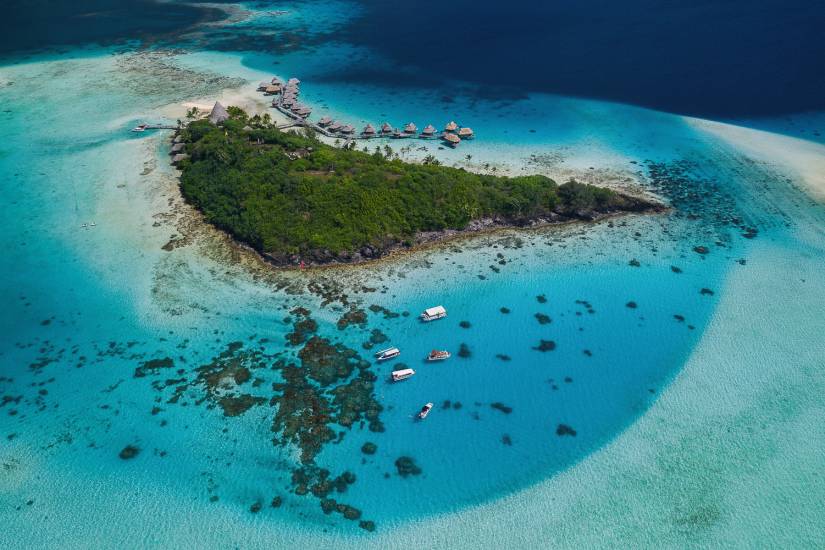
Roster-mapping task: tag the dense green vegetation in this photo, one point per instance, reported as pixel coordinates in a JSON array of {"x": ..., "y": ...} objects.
[{"x": 292, "y": 196}]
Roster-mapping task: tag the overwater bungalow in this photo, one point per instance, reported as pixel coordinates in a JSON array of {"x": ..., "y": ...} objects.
[
  {"x": 428, "y": 131},
  {"x": 347, "y": 129},
  {"x": 293, "y": 82},
  {"x": 410, "y": 128},
  {"x": 276, "y": 80},
  {"x": 451, "y": 127},
  {"x": 465, "y": 133},
  {"x": 272, "y": 89},
  {"x": 176, "y": 148},
  {"x": 303, "y": 111},
  {"x": 386, "y": 128},
  {"x": 288, "y": 102},
  {"x": 397, "y": 134},
  {"x": 451, "y": 139},
  {"x": 325, "y": 121},
  {"x": 369, "y": 131},
  {"x": 263, "y": 86},
  {"x": 334, "y": 126}
]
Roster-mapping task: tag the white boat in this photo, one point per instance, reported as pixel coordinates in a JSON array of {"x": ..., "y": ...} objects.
[
  {"x": 140, "y": 128},
  {"x": 388, "y": 353},
  {"x": 425, "y": 410},
  {"x": 403, "y": 374},
  {"x": 433, "y": 313},
  {"x": 438, "y": 355}
]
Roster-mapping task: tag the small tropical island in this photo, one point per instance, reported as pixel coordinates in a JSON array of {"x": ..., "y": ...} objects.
[{"x": 296, "y": 200}]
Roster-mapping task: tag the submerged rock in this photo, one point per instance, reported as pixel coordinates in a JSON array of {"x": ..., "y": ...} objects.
[
  {"x": 406, "y": 466},
  {"x": 701, "y": 250},
  {"x": 464, "y": 351},
  {"x": 128, "y": 452},
  {"x": 367, "y": 525},
  {"x": 706, "y": 292},
  {"x": 545, "y": 345},
  {"x": 464, "y": 324},
  {"x": 543, "y": 319},
  {"x": 501, "y": 407},
  {"x": 504, "y": 310},
  {"x": 631, "y": 304},
  {"x": 369, "y": 448},
  {"x": 153, "y": 366},
  {"x": 565, "y": 430},
  {"x": 541, "y": 298}
]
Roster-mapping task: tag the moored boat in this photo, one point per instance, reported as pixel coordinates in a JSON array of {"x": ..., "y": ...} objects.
[
  {"x": 140, "y": 128},
  {"x": 433, "y": 313},
  {"x": 388, "y": 353},
  {"x": 438, "y": 355},
  {"x": 425, "y": 410},
  {"x": 403, "y": 374}
]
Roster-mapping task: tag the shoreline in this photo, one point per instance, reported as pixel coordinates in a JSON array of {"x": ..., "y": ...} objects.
[{"x": 424, "y": 241}]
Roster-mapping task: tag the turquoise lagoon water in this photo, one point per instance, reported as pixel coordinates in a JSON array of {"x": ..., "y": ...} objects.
[{"x": 675, "y": 418}]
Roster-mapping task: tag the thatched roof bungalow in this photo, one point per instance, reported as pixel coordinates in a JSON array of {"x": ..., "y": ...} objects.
[
  {"x": 325, "y": 121},
  {"x": 410, "y": 128},
  {"x": 218, "y": 114},
  {"x": 263, "y": 86},
  {"x": 428, "y": 131},
  {"x": 276, "y": 80},
  {"x": 386, "y": 128},
  {"x": 451, "y": 127},
  {"x": 176, "y": 148},
  {"x": 369, "y": 130},
  {"x": 465, "y": 133},
  {"x": 177, "y": 158},
  {"x": 451, "y": 139},
  {"x": 334, "y": 126},
  {"x": 272, "y": 89},
  {"x": 348, "y": 129},
  {"x": 293, "y": 82}
]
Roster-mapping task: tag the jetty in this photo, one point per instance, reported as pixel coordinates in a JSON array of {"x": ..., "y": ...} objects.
[{"x": 287, "y": 104}]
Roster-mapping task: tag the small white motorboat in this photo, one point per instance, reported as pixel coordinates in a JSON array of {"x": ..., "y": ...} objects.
[
  {"x": 425, "y": 410},
  {"x": 140, "y": 128},
  {"x": 433, "y": 313},
  {"x": 388, "y": 353},
  {"x": 438, "y": 355},
  {"x": 403, "y": 374}
]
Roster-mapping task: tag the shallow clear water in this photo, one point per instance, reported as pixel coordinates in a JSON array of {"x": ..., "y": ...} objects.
[{"x": 84, "y": 307}]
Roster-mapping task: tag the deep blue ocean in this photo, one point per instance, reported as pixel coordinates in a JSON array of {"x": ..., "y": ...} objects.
[{"x": 719, "y": 59}]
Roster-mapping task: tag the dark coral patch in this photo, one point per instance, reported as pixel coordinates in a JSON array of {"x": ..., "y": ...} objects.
[
  {"x": 543, "y": 319},
  {"x": 464, "y": 324},
  {"x": 565, "y": 430},
  {"x": 545, "y": 345},
  {"x": 369, "y": 448},
  {"x": 675, "y": 269},
  {"x": 129, "y": 452},
  {"x": 541, "y": 298},
  {"x": 406, "y": 466},
  {"x": 153, "y": 366},
  {"x": 504, "y": 310},
  {"x": 706, "y": 292},
  {"x": 464, "y": 351},
  {"x": 631, "y": 304},
  {"x": 501, "y": 407}
]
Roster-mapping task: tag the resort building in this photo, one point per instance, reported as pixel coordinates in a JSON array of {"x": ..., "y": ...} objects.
[
  {"x": 465, "y": 133},
  {"x": 451, "y": 139},
  {"x": 410, "y": 128},
  {"x": 428, "y": 131},
  {"x": 451, "y": 127},
  {"x": 218, "y": 114},
  {"x": 369, "y": 131},
  {"x": 325, "y": 121}
]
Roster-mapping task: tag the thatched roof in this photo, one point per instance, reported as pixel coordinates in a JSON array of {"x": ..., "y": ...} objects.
[
  {"x": 276, "y": 80},
  {"x": 272, "y": 89},
  {"x": 347, "y": 129},
  {"x": 293, "y": 81},
  {"x": 410, "y": 128},
  {"x": 218, "y": 114},
  {"x": 386, "y": 127},
  {"x": 451, "y": 127},
  {"x": 335, "y": 125},
  {"x": 464, "y": 132},
  {"x": 247, "y": 128},
  {"x": 428, "y": 129},
  {"x": 177, "y": 158},
  {"x": 176, "y": 148},
  {"x": 325, "y": 120},
  {"x": 263, "y": 85},
  {"x": 369, "y": 129},
  {"x": 452, "y": 138}
]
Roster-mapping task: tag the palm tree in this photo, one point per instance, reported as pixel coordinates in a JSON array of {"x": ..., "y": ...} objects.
[{"x": 469, "y": 158}]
